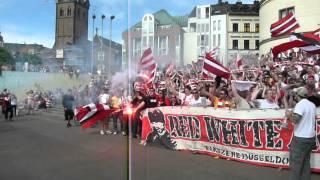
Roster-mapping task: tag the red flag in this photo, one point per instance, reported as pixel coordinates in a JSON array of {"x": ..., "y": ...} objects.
[
  {"x": 147, "y": 65},
  {"x": 212, "y": 67},
  {"x": 170, "y": 69},
  {"x": 90, "y": 114},
  {"x": 284, "y": 26},
  {"x": 214, "y": 52},
  {"x": 304, "y": 41},
  {"x": 239, "y": 61},
  {"x": 192, "y": 83}
]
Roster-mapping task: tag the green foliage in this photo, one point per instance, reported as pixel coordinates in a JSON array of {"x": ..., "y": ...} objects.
[{"x": 5, "y": 57}]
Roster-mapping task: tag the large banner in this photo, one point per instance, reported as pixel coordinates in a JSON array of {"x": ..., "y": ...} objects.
[{"x": 254, "y": 136}]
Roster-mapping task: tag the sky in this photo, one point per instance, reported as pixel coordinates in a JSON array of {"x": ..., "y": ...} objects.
[{"x": 33, "y": 21}]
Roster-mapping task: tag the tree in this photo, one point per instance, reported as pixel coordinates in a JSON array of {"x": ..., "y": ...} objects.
[{"x": 5, "y": 57}]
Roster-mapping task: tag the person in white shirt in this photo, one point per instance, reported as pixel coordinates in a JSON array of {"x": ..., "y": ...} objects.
[
  {"x": 304, "y": 140},
  {"x": 30, "y": 102},
  {"x": 14, "y": 104},
  {"x": 104, "y": 99},
  {"x": 197, "y": 100},
  {"x": 269, "y": 102},
  {"x": 185, "y": 97}
]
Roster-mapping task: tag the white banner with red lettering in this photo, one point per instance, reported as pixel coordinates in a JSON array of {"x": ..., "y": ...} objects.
[{"x": 253, "y": 136}]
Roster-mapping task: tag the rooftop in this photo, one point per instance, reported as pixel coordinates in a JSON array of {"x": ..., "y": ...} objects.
[
  {"x": 106, "y": 42},
  {"x": 18, "y": 46},
  {"x": 82, "y": 2},
  {"x": 232, "y": 9},
  {"x": 162, "y": 17}
]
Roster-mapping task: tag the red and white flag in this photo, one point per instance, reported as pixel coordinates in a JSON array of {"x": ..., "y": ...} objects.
[
  {"x": 243, "y": 85},
  {"x": 214, "y": 52},
  {"x": 284, "y": 26},
  {"x": 147, "y": 65},
  {"x": 212, "y": 68},
  {"x": 193, "y": 83},
  {"x": 305, "y": 41},
  {"x": 239, "y": 61},
  {"x": 170, "y": 70},
  {"x": 90, "y": 114}
]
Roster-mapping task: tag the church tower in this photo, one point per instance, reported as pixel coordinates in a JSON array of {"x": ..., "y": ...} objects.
[
  {"x": 1, "y": 41},
  {"x": 71, "y": 23}
]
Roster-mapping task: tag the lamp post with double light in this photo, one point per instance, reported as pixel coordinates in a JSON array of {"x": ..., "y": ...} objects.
[
  {"x": 93, "y": 18},
  {"x": 110, "y": 40}
]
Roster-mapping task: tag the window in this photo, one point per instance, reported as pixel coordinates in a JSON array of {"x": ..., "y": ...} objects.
[
  {"x": 193, "y": 27},
  {"x": 257, "y": 28},
  {"x": 160, "y": 27},
  {"x": 214, "y": 25},
  {"x": 202, "y": 27},
  {"x": 202, "y": 43},
  {"x": 150, "y": 41},
  {"x": 163, "y": 45},
  {"x": 286, "y": 11},
  {"x": 144, "y": 42},
  {"x": 198, "y": 28},
  {"x": 214, "y": 40},
  {"x": 178, "y": 55},
  {"x": 206, "y": 40},
  {"x": 235, "y": 27},
  {"x": 203, "y": 40},
  {"x": 257, "y": 44},
  {"x": 246, "y": 44},
  {"x": 177, "y": 40},
  {"x": 207, "y": 12},
  {"x": 234, "y": 44},
  {"x": 246, "y": 27},
  {"x": 69, "y": 11},
  {"x": 61, "y": 12},
  {"x": 137, "y": 29},
  {"x": 219, "y": 25},
  {"x": 148, "y": 25},
  {"x": 137, "y": 47},
  {"x": 199, "y": 13},
  {"x": 207, "y": 27},
  {"x": 219, "y": 39}
]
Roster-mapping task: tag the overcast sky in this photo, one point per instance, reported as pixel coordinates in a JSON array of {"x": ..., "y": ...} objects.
[{"x": 33, "y": 21}]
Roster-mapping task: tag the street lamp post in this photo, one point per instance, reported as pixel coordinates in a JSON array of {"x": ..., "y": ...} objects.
[
  {"x": 93, "y": 18},
  {"x": 110, "y": 40},
  {"x": 102, "y": 53}
]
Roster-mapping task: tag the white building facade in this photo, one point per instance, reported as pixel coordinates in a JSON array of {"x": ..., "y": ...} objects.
[
  {"x": 213, "y": 26},
  {"x": 307, "y": 13},
  {"x": 243, "y": 37},
  {"x": 161, "y": 32}
]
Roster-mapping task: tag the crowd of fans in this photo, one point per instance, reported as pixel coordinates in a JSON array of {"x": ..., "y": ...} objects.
[
  {"x": 271, "y": 85},
  {"x": 33, "y": 101}
]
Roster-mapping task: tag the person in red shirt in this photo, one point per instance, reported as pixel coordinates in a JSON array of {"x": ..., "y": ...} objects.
[
  {"x": 163, "y": 98},
  {"x": 174, "y": 101}
]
